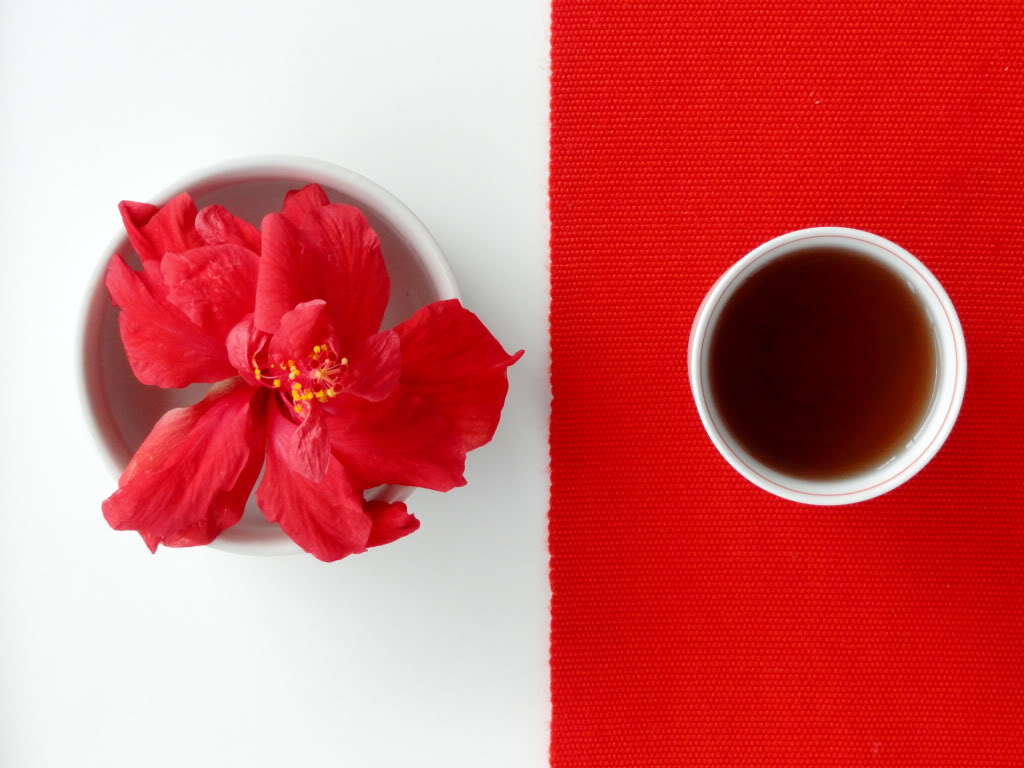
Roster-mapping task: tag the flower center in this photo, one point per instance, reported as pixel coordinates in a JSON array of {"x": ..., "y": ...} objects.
[{"x": 315, "y": 378}]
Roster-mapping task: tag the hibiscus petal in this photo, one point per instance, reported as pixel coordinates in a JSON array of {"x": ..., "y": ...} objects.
[
  {"x": 335, "y": 257},
  {"x": 154, "y": 231},
  {"x": 164, "y": 347},
  {"x": 244, "y": 342},
  {"x": 403, "y": 440},
  {"x": 191, "y": 476},
  {"x": 326, "y": 519},
  {"x": 153, "y": 278},
  {"x": 225, "y": 511},
  {"x": 351, "y": 272},
  {"x": 215, "y": 286},
  {"x": 452, "y": 360},
  {"x": 299, "y": 202},
  {"x": 375, "y": 366},
  {"x": 300, "y": 330},
  {"x": 281, "y": 283},
  {"x": 390, "y": 522},
  {"x": 216, "y": 225},
  {"x": 309, "y": 451}
]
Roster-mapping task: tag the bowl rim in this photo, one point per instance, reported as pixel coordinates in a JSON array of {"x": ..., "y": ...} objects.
[{"x": 204, "y": 180}]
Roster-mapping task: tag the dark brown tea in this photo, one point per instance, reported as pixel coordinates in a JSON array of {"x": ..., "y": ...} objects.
[{"x": 822, "y": 364}]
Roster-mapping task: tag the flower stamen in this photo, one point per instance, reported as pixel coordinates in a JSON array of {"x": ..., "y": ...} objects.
[{"x": 317, "y": 377}]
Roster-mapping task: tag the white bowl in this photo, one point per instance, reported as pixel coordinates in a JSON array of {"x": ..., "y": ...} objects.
[{"x": 123, "y": 410}]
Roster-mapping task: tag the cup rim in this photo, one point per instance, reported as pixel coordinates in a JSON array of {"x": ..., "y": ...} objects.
[
  {"x": 935, "y": 427},
  {"x": 204, "y": 180}
]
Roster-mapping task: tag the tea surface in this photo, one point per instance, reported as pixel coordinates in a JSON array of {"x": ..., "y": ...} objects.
[{"x": 822, "y": 364}]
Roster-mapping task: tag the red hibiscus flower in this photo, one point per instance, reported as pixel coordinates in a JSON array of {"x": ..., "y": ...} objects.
[{"x": 286, "y": 323}]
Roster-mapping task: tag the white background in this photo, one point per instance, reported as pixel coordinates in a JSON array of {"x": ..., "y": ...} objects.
[{"x": 428, "y": 652}]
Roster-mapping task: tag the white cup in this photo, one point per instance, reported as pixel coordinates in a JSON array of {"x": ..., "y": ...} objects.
[{"x": 948, "y": 393}]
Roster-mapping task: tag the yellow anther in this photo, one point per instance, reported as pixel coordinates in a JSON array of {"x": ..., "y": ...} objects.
[
  {"x": 321, "y": 397},
  {"x": 330, "y": 392},
  {"x": 293, "y": 374},
  {"x": 277, "y": 382},
  {"x": 344, "y": 361},
  {"x": 296, "y": 385},
  {"x": 257, "y": 373},
  {"x": 298, "y": 408},
  {"x": 316, "y": 349}
]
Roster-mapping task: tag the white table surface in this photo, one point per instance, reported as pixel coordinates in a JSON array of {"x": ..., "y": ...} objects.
[{"x": 428, "y": 652}]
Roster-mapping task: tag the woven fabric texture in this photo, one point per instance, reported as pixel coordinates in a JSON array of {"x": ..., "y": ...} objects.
[{"x": 697, "y": 621}]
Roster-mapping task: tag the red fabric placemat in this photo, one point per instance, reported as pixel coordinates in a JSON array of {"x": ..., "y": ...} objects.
[{"x": 697, "y": 621}]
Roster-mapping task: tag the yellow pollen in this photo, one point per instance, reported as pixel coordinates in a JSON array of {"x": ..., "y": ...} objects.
[
  {"x": 316, "y": 349},
  {"x": 257, "y": 373},
  {"x": 344, "y": 361},
  {"x": 298, "y": 408},
  {"x": 277, "y": 382},
  {"x": 296, "y": 385},
  {"x": 321, "y": 397},
  {"x": 293, "y": 374},
  {"x": 330, "y": 392},
  {"x": 296, "y": 394}
]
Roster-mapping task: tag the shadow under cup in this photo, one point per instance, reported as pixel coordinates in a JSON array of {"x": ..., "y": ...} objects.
[{"x": 828, "y": 365}]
